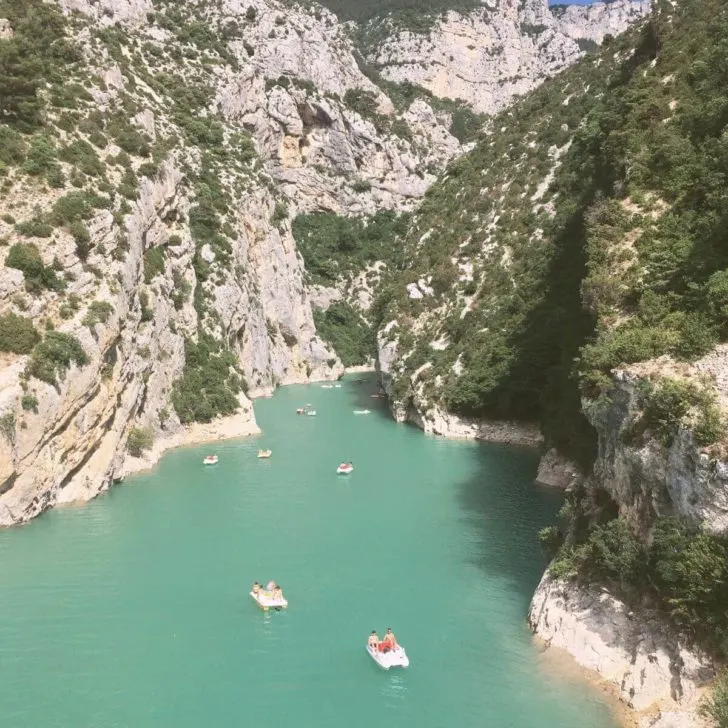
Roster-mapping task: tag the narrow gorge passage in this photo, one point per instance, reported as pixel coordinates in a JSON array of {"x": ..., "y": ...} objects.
[{"x": 133, "y": 610}]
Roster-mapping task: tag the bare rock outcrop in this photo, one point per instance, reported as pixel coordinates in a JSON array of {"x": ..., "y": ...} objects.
[
  {"x": 504, "y": 49},
  {"x": 649, "y": 665}
]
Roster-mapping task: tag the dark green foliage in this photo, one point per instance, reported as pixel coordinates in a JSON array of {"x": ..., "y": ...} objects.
[
  {"x": 153, "y": 263},
  {"x": 53, "y": 356},
  {"x": 631, "y": 264},
  {"x": 81, "y": 154},
  {"x": 672, "y": 404},
  {"x": 139, "y": 441},
  {"x": 683, "y": 572},
  {"x": 17, "y": 334},
  {"x": 715, "y": 706},
  {"x": 12, "y": 148},
  {"x": 29, "y": 403},
  {"x": 280, "y": 213},
  {"x": 209, "y": 383},
  {"x": 37, "y": 53},
  {"x": 25, "y": 257},
  {"x": 98, "y": 313},
  {"x": 332, "y": 245},
  {"x": 42, "y": 160},
  {"x": 344, "y": 328},
  {"x": 181, "y": 291},
  {"x": 36, "y": 227}
]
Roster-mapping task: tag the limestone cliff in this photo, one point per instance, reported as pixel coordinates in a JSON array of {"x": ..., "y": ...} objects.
[
  {"x": 504, "y": 49},
  {"x": 651, "y": 668},
  {"x": 146, "y": 225}
]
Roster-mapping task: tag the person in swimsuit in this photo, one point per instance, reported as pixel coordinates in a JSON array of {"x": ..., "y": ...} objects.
[
  {"x": 390, "y": 639},
  {"x": 277, "y": 593},
  {"x": 373, "y": 641},
  {"x": 256, "y": 588}
]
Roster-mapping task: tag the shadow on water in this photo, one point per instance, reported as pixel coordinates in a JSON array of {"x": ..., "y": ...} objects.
[
  {"x": 506, "y": 509},
  {"x": 363, "y": 386}
]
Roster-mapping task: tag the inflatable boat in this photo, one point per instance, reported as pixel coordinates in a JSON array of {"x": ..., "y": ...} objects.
[
  {"x": 210, "y": 460},
  {"x": 344, "y": 469},
  {"x": 394, "y": 658}
]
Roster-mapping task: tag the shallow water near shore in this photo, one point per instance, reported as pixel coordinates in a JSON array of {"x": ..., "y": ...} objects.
[{"x": 133, "y": 611}]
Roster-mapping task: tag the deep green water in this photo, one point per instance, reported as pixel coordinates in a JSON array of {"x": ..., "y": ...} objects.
[{"x": 133, "y": 611}]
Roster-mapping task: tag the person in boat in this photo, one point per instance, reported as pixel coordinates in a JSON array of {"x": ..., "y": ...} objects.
[
  {"x": 277, "y": 593},
  {"x": 389, "y": 639},
  {"x": 256, "y": 588},
  {"x": 373, "y": 640},
  {"x": 270, "y": 586}
]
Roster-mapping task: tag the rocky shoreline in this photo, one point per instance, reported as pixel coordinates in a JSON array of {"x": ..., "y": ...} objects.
[{"x": 652, "y": 670}]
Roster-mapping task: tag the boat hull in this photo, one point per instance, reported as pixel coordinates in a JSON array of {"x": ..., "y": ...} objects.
[
  {"x": 387, "y": 660},
  {"x": 266, "y": 602}
]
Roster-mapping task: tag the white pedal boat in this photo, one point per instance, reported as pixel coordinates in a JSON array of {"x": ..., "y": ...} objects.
[
  {"x": 394, "y": 658},
  {"x": 265, "y": 600},
  {"x": 344, "y": 469},
  {"x": 327, "y": 386},
  {"x": 210, "y": 460},
  {"x": 362, "y": 412}
]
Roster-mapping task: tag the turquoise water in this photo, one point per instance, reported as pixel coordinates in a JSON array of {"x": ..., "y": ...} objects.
[{"x": 133, "y": 611}]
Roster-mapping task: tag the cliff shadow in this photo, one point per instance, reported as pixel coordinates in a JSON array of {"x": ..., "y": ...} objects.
[{"x": 503, "y": 506}]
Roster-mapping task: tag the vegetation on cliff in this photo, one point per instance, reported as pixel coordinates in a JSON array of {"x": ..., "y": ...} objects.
[
  {"x": 585, "y": 231},
  {"x": 682, "y": 573}
]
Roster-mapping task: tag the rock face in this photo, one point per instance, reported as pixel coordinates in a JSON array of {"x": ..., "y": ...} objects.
[
  {"x": 648, "y": 665},
  {"x": 504, "y": 49},
  {"x": 648, "y": 480},
  {"x": 556, "y": 471}
]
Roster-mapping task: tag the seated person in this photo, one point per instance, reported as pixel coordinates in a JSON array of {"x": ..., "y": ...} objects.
[
  {"x": 256, "y": 588},
  {"x": 270, "y": 586},
  {"x": 373, "y": 640},
  {"x": 277, "y": 593},
  {"x": 389, "y": 638}
]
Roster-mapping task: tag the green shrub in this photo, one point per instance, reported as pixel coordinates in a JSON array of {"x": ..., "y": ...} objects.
[
  {"x": 209, "y": 383},
  {"x": 53, "y": 356},
  {"x": 139, "y": 441},
  {"x": 153, "y": 263},
  {"x": 38, "y": 53},
  {"x": 280, "y": 213},
  {"x": 715, "y": 706},
  {"x": 83, "y": 156},
  {"x": 25, "y": 257},
  {"x": 29, "y": 403},
  {"x": 17, "y": 334},
  {"x": 98, "y": 313},
  {"x": 7, "y": 426},
  {"x": 332, "y": 245},
  {"x": 36, "y": 227},
  {"x": 347, "y": 332},
  {"x": 42, "y": 160},
  {"x": 672, "y": 404}
]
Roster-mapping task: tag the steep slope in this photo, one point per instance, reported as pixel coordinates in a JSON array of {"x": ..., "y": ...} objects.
[
  {"x": 489, "y": 54},
  {"x": 570, "y": 270},
  {"x": 153, "y": 155}
]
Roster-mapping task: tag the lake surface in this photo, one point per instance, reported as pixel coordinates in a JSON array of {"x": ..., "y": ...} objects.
[{"x": 133, "y": 611}]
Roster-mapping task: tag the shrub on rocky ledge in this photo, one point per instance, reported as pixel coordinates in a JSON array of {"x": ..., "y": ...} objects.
[
  {"x": 53, "y": 356},
  {"x": 716, "y": 706},
  {"x": 140, "y": 440},
  {"x": 209, "y": 383},
  {"x": 17, "y": 334}
]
